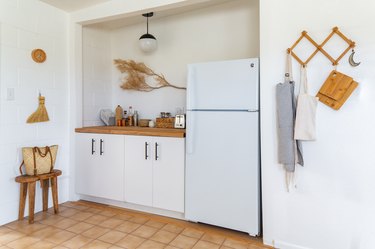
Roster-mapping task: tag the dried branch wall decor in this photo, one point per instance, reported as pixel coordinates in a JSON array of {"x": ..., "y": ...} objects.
[{"x": 137, "y": 74}]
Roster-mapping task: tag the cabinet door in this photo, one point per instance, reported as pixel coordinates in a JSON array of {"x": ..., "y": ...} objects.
[
  {"x": 169, "y": 173},
  {"x": 86, "y": 160},
  {"x": 138, "y": 170},
  {"x": 108, "y": 176},
  {"x": 100, "y": 165}
]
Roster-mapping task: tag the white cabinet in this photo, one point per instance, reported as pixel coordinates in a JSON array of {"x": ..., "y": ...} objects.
[
  {"x": 155, "y": 172},
  {"x": 138, "y": 170},
  {"x": 100, "y": 165}
]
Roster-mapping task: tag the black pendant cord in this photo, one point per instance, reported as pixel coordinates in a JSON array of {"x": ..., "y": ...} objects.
[
  {"x": 147, "y": 35},
  {"x": 147, "y": 15},
  {"x": 147, "y": 25}
]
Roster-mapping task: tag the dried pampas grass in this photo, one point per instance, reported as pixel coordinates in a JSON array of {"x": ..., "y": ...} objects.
[{"x": 136, "y": 76}]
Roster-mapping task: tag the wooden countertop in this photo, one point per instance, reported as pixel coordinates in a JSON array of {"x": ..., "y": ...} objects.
[{"x": 129, "y": 130}]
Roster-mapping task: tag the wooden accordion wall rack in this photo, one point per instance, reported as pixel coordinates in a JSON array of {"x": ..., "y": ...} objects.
[
  {"x": 319, "y": 48},
  {"x": 338, "y": 87}
]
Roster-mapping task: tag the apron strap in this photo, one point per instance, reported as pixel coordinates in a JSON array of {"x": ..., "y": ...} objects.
[{"x": 288, "y": 68}]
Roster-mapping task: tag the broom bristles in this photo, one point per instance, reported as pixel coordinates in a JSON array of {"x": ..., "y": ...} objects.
[{"x": 40, "y": 115}]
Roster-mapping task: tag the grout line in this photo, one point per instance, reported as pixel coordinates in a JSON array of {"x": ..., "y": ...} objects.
[{"x": 74, "y": 209}]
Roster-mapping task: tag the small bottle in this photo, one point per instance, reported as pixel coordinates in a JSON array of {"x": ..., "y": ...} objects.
[
  {"x": 125, "y": 119},
  {"x": 135, "y": 118},
  {"x": 151, "y": 124},
  {"x": 130, "y": 117},
  {"x": 118, "y": 112}
]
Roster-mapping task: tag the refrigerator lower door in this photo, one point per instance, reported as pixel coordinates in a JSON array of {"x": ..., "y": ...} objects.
[{"x": 222, "y": 169}]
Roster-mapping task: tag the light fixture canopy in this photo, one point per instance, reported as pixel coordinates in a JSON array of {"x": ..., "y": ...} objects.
[{"x": 148, "y": 42}]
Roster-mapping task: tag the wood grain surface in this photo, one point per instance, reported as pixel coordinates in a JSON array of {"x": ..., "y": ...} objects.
[{"x": 131, "y": 130}]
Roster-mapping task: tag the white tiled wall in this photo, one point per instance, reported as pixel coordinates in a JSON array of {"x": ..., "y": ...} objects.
[
  {"x": 97, "y": 76},
  {"x": 24, "y": 26}
]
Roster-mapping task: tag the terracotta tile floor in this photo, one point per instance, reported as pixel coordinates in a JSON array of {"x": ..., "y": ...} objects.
[{"x": 89, "y": 225}]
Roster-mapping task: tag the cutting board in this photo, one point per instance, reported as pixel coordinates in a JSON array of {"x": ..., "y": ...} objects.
[{"x": 336, "y": 89}]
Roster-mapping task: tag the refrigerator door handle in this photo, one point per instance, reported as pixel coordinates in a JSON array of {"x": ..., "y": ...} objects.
[
  {"x": 190, "y": 85},
  {"x": 190, "y": 132}
]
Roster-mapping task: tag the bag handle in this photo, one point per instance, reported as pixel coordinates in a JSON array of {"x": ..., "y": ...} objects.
[
  {"x": 304, "y": 83},
  {"x": 47, "y": 151},
  {"x": 20, "y": 169}
]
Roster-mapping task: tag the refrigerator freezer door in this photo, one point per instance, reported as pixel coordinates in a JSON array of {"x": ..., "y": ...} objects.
[
  {"x": 223, "y": 85},
  {"x": 222, "y": 169}
]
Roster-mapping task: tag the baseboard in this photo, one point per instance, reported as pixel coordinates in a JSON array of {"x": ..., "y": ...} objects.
[
  {"x": 136, "y": 207},
  {"x": 277, "y": 244}
]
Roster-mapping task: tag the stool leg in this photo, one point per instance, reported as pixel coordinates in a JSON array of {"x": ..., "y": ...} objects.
[
  {"x": 45, "y": 186},
  {"x": 55, "y": 194},
  {"x": 23, "y": 193},
  {"x": 31, "y": 202}
]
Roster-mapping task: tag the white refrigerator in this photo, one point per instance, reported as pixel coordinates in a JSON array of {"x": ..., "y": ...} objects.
[{"x": 222, "y": 145}]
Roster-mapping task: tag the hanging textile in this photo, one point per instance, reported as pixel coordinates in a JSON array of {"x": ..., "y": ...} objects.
[
  {"x": 289, "y": 150},
  {"x": 306, "y": 111}
]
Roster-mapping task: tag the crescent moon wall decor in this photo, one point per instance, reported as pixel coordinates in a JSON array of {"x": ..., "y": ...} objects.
[{"x": 351, "y": 60}]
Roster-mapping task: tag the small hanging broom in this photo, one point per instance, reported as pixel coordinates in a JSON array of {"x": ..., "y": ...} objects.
[{"x": 40, "y": 115}]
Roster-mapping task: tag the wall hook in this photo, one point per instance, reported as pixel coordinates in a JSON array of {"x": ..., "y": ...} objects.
[{"x": 351, "y": 60}]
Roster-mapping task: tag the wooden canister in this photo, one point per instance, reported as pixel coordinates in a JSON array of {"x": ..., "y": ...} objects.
[{"x": 118, "y": 112}]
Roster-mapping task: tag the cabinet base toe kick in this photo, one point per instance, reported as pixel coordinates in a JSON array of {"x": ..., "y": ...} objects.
[{"x": 134, "y": 207}]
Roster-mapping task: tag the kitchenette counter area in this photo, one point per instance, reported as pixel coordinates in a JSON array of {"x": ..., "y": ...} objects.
[{"x": 131, "y": 130}]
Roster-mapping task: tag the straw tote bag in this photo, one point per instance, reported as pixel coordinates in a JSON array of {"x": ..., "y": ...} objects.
[
  {"x": 38, "y": 160},
  {"x": 305, "y": 127}
]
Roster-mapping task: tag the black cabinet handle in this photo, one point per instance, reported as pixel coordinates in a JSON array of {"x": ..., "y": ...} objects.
[
  {"x": 101, "y": 146},
  {"x": 156, "y": 151},
  {"x": 92, "y": 146},
  {"x": 146, "y": 150}
]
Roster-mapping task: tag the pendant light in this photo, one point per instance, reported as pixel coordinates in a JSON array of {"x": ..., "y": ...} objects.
[{"x": 148, "y": 42}]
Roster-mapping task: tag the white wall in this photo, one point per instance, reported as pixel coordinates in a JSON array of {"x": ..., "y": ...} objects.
[
  {"x": 333, "y": 205},
  {"x": 25, "y": 25},
  {"x": 222, "y": 32},
  {"x": 97, "y": 74}
]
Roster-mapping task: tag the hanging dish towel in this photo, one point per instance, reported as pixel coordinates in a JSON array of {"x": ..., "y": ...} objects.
[
  {"x": 305, "y": 127},
  {"x": 289, "y": 150}
]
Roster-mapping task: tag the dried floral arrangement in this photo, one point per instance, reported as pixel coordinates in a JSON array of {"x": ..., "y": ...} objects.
[{"x": 136, "y": 76}]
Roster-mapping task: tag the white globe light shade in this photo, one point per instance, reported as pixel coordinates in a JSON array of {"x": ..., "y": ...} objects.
[{"x": 148, "y": 43}]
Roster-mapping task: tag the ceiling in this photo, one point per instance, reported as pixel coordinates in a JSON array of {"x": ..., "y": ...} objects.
[
  {"x": 73, "y": 5},
  {"x": 138, "y": 18}
]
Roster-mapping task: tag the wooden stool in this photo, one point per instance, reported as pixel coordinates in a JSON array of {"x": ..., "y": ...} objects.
[{"x": 27, "y": 184}]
